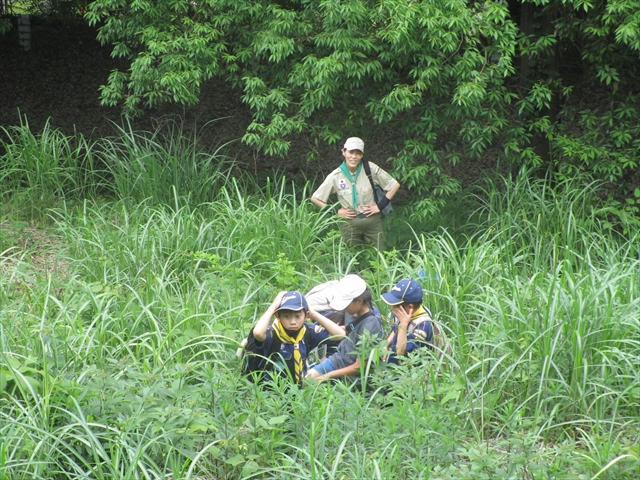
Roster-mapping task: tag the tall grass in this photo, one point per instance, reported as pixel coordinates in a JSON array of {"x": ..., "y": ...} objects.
[
  {"x": 153, "y": 165},
  {"x": 544, "y": 309},
  {"x": 122, "y": 366},
  {"x": 240, "y": 232},
  {"x": 38, "y": 170}
]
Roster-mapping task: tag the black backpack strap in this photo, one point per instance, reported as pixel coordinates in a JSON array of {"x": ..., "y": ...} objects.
[
  {"x": 274, "y": 344},
  {"x": 352, "y": 326},
  {"x": 367, "y": 170}
]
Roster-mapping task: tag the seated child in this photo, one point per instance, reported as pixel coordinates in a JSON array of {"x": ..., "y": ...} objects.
[
  {"x": 286, "y": 342},
  {"x": 354, "y": 297},
  {"x": 413, "y": 324}
]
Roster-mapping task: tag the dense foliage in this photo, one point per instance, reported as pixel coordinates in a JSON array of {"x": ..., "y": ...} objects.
[
  {"x": 442, "y": 79},
  {"x": 120, "y": 317}
]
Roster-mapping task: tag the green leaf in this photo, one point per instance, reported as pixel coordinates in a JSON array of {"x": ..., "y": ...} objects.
[
  {"x": 278, "y": 420},
  {"x": 235, "y": 460}
]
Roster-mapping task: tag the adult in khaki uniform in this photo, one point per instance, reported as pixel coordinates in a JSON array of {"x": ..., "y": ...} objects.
[{"x": 362, "y": 221}]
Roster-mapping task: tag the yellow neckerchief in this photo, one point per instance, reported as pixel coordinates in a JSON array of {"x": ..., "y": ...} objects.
[
  {"x": 419, "y": 312},
  {"x": 286, "y": 338}
]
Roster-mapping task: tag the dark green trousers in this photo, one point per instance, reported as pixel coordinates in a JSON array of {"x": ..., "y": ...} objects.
[{"x": 363, "y": 231}]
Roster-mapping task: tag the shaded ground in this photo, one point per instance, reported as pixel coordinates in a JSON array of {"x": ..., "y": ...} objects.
[{"x": 30, "y": 253}]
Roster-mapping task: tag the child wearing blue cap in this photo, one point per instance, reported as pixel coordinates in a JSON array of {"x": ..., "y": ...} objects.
[
  {"x": 413, "y": 324},
  {"x": 285, "y": 343}
]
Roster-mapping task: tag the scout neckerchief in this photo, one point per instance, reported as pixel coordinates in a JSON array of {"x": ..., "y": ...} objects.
[
  {"x": 286, "y": 338},
  {"x": 354, "y": 179}
]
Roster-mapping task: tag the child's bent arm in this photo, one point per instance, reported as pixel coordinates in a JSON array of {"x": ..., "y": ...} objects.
[
  {"x": 260, "y": 329},
  {"x": 404, "y": 319},
  {"x": 401, "y": 344},
  {"x": 343, "y": 372},
  {"x": 390, "y": 339},
  {"x": 334, "y": 329}
]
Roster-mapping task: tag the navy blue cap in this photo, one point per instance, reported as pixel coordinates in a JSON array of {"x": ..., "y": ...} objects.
[
  {"x": 405, "y": 291},
  {"x": 294, "y": 301}
]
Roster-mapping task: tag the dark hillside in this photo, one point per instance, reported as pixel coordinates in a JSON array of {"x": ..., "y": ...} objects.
[
  {"x": 60, "y": 78},
  {"x": 61, "y": 75}
]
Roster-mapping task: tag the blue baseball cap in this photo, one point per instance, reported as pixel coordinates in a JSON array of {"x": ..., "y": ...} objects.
[
  {"x": 405, "y": 291},
  {"x": 294, "y": 301}
]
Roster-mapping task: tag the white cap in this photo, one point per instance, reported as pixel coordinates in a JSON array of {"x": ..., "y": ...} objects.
[
  {"x": 320, "y": 296},
  {"x": 354, "y": 143},
  {"x": 349, "y": 288}
]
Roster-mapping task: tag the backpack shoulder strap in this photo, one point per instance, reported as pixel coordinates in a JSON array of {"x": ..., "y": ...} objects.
[
  {"x": 250, "y": 342},
  {"x": 275, "y": 344},
  {"x": 352, "y": 326},
  {"x": 426, "y": 316},
  {"x": 367, "y": 170}
]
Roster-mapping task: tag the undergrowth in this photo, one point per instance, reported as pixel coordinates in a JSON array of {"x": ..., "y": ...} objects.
[{"x": 122, "y": 365}]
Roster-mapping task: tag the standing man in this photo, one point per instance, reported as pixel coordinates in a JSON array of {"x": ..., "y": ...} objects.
[{"x": 361, "y": 218}]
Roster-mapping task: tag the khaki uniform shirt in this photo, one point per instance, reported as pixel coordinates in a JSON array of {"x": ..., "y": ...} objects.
[{"x": 336, "y": 182}]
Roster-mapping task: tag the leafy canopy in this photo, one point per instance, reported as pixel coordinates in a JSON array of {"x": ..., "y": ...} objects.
[
  {"x": 430, "y": 70},
  {"x": 439, "y": 74}
]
